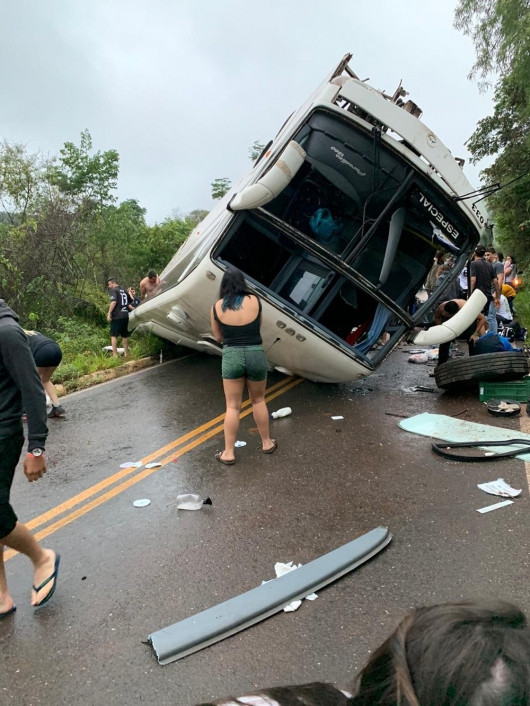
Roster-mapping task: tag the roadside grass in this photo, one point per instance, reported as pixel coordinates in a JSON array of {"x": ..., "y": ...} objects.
[{"x": 82, "y": 342}]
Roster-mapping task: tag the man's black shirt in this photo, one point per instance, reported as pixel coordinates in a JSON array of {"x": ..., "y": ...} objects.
[{"x": 122, "y": 299}]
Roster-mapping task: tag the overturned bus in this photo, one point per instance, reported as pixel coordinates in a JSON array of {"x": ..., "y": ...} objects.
[{"x": 335, "y": 228}]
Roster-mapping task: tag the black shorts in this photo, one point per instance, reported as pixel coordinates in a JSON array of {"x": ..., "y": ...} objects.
[
  {"x": 10, "y": 450},
  {"x": 48, "y": 356},
  {"x": 120, "y": 328}
]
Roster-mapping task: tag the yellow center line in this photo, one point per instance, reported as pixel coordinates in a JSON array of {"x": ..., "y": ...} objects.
[
  {"x": 67, "y": 519},
  {"x": 110, "y": 480}
]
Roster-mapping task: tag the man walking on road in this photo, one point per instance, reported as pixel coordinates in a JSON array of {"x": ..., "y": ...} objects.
[
  {"x": 483, "y": 277},
  {"x": 21, "y": 390},
  {"x": 118, "y": 316}
]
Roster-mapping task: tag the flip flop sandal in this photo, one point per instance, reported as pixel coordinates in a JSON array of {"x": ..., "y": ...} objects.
[
  {"x": 272, "y": 448},
  {"x": 8, "y": 612},
  {"x": 219, "y": 457},
  {"x": 53, "y": 578}
]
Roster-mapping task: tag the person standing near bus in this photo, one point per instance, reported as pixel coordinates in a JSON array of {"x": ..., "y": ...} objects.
[
  {"x": 149, "y": 284},
  {"x": 484, "y": 278},
  {"x": 118, "y": 316},
  {"x": 236, "y": 323},
  {"x": 510, "y": 269}
]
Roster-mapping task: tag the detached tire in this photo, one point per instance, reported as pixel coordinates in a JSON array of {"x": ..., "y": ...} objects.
[{"x": 490, "y": 366}]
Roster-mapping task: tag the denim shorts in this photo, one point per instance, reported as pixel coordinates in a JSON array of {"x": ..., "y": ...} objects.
[{"x": 244, "y": 362}]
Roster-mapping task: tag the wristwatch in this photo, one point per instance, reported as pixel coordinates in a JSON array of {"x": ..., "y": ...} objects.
[{"x": 36, "y": 452}]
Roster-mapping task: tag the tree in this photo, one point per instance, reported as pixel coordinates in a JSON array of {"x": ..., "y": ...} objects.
[
  {"x": 220, "y": 187},
  {"x": 90, "y": 178},
  {"x": 63, "y": 233},
  {"x": 500, "y": 30},
  {"x": 255, "y": 151},
  {"x": 197, "y": 215},
  {"x": 21, "y": 181}
]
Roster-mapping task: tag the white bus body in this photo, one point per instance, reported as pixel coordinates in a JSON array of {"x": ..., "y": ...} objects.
[{"x": 335, "y": 228}]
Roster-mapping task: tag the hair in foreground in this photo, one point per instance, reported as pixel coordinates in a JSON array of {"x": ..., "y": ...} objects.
[
  {"x": 473, "y": 653},
  {"x": 470, "y": 653},
  {"x": 233, "y": 289},
  {"x": 317, "y": 694}
]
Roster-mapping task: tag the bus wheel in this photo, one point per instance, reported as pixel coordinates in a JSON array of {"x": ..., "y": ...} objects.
[{"x": 489, "y": 366}]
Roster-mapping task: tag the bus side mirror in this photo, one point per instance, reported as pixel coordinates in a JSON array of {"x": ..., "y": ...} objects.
[{"x": 273, "y": 182}]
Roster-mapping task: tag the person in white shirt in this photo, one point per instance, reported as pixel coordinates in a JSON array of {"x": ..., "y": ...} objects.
[
  {"x": 504, "y": 315},
  {"x": 463, "y": 282}
]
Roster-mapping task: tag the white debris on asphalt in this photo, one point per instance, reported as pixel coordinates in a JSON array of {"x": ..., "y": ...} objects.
[
  {"x": 152, "y": 465},
  {"x": 418, "y": 358},
  {"x": 499, "y": 487},
  {"x": 144, "y": 502},
  {"x": 496, "y": 506},
  {"x": 239, "y": 444},
  {"x": 337, "y": 417},
  {"x": 281, "y": 569},
  {"x": 131, "y": 464}
]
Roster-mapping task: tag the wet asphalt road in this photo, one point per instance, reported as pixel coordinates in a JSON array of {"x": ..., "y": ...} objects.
[{"x": 127, "y": 572}]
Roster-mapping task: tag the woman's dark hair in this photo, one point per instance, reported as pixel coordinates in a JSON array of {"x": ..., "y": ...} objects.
[
  {"x": 316, "y": 694},
  {"x": 458, "y": 654},
  {"x": 233, "y": 289},
  {"x": 500, "y": 256}
]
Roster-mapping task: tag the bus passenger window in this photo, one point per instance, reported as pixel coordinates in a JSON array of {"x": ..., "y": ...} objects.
[
  {"x": 305, "y": 285},
  {"x": 255, "y": 253}
]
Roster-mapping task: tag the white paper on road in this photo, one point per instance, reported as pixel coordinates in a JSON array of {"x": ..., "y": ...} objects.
[
  {"x": 281, "y": 569},
  {"x": 239, "y": 444},
  {"x": 339, "y": 417},
  {"x": 499, "y": 487},
  {"x": 496, "y": 506},
  {"x": 131, "y": 464},
  {"x": 152, "y": 465}
]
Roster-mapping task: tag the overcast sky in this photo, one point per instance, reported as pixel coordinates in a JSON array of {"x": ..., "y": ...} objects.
[{"x": 182, "y": 88}]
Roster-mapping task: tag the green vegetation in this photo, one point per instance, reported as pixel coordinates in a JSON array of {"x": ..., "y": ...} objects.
[
  {"x": 82, "y": 342},
  {"x": 62, "y": 235},
  {"x": 220, "y": 187},
  {"x": 500, "y": 30}
]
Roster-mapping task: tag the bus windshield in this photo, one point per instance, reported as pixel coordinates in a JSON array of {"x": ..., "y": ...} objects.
[{"x": 350, "y": 241}]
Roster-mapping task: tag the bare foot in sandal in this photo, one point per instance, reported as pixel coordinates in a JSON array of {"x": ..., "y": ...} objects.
[
  {"x": 269, "y": 446},
  {"x": 227, "y": 461}
]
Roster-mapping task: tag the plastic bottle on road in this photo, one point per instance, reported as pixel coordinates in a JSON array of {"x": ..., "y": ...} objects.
[
  {"x": 191, "y": 501},
  {"x": 283, "y": 412}
]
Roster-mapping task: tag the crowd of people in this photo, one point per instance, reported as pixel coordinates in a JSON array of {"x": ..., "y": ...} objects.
[{"x": 495, "y": 277}]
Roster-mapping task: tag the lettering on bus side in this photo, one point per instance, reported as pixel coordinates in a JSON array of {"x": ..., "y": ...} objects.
[
  {"x": 437, "y": 215},
  {"x": 480, "y": 218}
]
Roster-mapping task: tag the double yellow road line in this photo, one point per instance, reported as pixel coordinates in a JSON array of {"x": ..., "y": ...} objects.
[{"x": 196, "y": 437}]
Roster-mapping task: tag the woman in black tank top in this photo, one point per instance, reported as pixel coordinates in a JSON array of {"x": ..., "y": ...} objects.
[{"x": 236, "y": 323}]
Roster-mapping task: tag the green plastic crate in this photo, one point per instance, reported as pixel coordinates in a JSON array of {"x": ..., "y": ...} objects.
[{"x": 517, "y": 390}]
